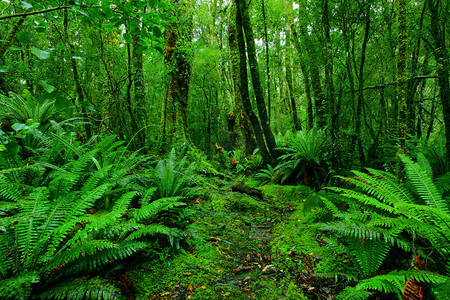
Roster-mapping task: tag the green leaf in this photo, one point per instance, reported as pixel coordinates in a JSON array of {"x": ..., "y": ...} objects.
[
  {"x": 24, "y": 37},
  {"x": 157, "y": 31},
  {"x": 25, "y": 4},
  {"x": 47, "y": 87},
  {"x": 41, "y": 54},
  {"x": 4, "y": 69},
  {"x": 18, "y": 126},
  {"x": 13, "y": 147},
  {"x": 127, "y": 38},
  {"x": 61, "y": 102},
  {"x": 40, "y": 29}
]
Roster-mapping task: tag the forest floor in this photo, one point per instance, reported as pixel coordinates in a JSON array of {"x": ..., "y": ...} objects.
[{"x": 244, "y": 247}]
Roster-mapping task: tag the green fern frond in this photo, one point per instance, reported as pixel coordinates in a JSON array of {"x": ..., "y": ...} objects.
[
  {"x": 157, "y": 206},
  {"x": 154, "y": 229},
  {"x": 424, "y": 185},
  {"x": 443, "y": 183},
  {"x": 98, "y": 177},
  {"x": 97, "y": 253},
  {"x": 352, "y": 293},
  {"x": 392, "y": 282},
  {"x": 87, "y": 200},
  {"x": 11, "y": 191},
  {"x": 18, "y": 287},
  {"x": 122, "y": 204},
  {"x": 364, "y": 199},
  {"x": 82, "y": 288},
  {"x": 147, "y": 196},
  {"x": 368, "y": 253}
]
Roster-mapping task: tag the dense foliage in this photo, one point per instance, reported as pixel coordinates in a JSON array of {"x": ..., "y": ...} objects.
[{"x": 116, "y": 117}]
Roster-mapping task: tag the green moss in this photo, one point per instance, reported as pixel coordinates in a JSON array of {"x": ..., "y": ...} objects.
[
  {"x": 286, "y": 192},
  {"x": 293, "y": 237},
  {"x": 243, "y": 203},
  {"x": 293, "y": 292}
]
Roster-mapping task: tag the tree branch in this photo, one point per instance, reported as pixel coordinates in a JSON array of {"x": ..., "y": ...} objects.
[
  {"x": 25, "y": 14},
  {"x": 33, "y": 12},
  {"x": 382, "y": 86}
]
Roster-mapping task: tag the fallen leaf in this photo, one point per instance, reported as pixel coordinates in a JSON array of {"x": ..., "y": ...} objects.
[
  {"x": 203, "y": 287},
  {"x": 190, "y": 288}
]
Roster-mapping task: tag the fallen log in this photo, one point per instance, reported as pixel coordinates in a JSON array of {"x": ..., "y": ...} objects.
[{"x": 242, "y": 188}]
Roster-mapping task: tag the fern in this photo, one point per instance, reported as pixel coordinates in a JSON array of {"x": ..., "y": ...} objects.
[
  {"x": 157, "y": 206},
  {"x": 18, "y": 287},
  {"x": 392, "y": 282},
  {"x": 82, "y": 288},
  {"x": 382, "y": 213}
]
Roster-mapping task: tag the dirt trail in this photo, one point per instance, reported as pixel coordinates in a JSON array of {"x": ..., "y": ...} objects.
[{"x": 231, "y": 254}]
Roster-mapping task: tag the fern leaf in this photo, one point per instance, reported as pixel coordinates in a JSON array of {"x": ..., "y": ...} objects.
[
  {"x": 352, "y": 293},
  {"x": 82, "y": 288},
  {"x": 157, "y": 206},
  {"x": 154, "y": 229},
  {"x": 424, "y": 185},
  {"x": 18, "y": 287}
]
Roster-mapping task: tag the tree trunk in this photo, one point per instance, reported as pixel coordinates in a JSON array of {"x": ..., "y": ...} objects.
[
  {"x": 139, "y": 89},
  {"x": 443, "y": 63},
  {"x": 403, "y": 114},
  {"x": 358, "y": 115},
  {"x": 254, "y": 71},
  {"x": 78, "y": 88},
  {"x": 244, "y": 89},
  {"x": 4, "y": 45},
  {"x": 288, "y": 65},
  {"x": 331, "y": 112},
  {"x": 240, "y": 115},
  {"x": 266, "y": 48},
  {"x": 313, "y": 71},
  {"x": 179, "y": 63},
  {"x": 132, "y": 121}
]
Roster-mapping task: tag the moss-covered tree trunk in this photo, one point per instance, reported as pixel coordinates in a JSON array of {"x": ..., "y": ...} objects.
[
  {"x": 139, "y": 89},
  {"x": 331, "y": 102},
  {"x": 4, "y": 45},
  {"x": 438, "y": 28},
  {"x": 239, "y": 113},
  {"x": 358, "y": 111},
  {"x": 256, "y": 81},
  {"x": 79, "y": 102},
  {"x": 244, "y": 89},
  {"x": 178, "y": 61},
  {"x": 290, "y": 85},
  {"x": 402, "y": 122},
  {"x": 310, "y": 70}
]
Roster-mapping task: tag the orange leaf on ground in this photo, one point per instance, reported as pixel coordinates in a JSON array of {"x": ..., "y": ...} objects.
[{"x": 190, "y": 288}]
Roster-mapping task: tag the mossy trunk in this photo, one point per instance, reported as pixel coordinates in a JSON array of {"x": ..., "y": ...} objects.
[
  {"x": 288, "y": 65},
  {"x": 247, "y": 107},
  {"x": 256, "y": 81},
  {"x": 443, "y": 63},
  {"x": 240, "y": 115},
  {"x": 403, "y": 114},
  {"x": 175, "y": 107}
]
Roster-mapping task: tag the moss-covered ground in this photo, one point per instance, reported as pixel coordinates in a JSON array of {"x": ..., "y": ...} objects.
[{"x": 243, "y": 247}]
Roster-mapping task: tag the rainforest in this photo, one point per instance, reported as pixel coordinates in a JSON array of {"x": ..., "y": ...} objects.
[{"x": 225, "y": 149}]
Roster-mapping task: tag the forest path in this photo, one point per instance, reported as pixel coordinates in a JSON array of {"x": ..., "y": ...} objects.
[{"x": 233, "y": 254}]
